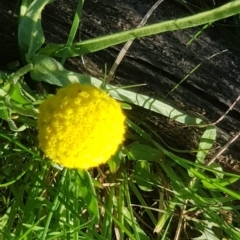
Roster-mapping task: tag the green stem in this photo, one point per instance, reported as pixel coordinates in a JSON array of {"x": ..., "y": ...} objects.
[
  {"x": 54, "y": 205},
  {"x": 17, "y": 143},
  {"x": 96, "y": 44},
  {"x": 21, "y": 72}
]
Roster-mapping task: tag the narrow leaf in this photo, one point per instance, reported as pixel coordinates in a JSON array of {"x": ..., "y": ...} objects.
[
  {"x": 142, "y": 175},
  {"x": 49, "y": 70},
  {"x": 206, "y": 142},
  {"x": 143, "y": 152},
  {"x": 30, "y": 32},
  {"x": 88, "y": 193},
  {"x": 100, "y": 43},
  {"x": 222, "y": 182}
]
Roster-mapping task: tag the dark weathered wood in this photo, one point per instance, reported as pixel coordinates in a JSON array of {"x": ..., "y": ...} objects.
[{"x": 160, "y": 61}]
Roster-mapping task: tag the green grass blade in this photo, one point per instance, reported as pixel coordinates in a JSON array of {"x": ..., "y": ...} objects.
[
  {"x": 54, "y": 206},
  {"x": 76, "y": 221},
  {"x": 142, "y": 201},
  {"x": 87, "y": 192},
  {"x": 14, "y": 180},
  {"x": 183, "y": 80},
  {"x": 137, "y": 231},
  {"x": 107, "y": 220},
  {"x": 165, "y": 216},
  {"x": 215, "y": 185},
  {"x": 23, "y": 8},
  {"x": 120, "y": 208},
  {"x": 17, "y": 143},
  {"x": 29, "y": 230},
  {"x": 119, "y": 223},
  {"x": 138, "y": 151},
  {"x": 74, "y": 28}
]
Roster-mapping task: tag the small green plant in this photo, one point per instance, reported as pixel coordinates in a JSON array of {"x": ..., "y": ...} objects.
[{"x": 43, "y": 200}]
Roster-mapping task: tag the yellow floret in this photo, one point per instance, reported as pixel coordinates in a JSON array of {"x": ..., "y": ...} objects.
[{"x": 80, "y": 127}]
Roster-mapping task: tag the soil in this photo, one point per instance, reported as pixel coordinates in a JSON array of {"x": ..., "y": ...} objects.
[{"x": 160, "y": 61}]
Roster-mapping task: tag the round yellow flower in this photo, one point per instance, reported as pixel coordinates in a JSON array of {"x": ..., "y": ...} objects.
[{"x": 80, "y": 127}]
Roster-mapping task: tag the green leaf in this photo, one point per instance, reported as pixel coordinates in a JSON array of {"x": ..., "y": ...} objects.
[
  {"x": 115, "y": 161},
  {"x": 88, "y": 194},
  {"x": 210, "y": 183},
  {"x": 142, "y": 175},
  {"x": 214, "y": 184},
  {"x": 49, "y": 70},
  {"x": 206, "y": 232},
  {"x": 200, "y": 200},
  {"x": 126, "y": 106},
  {"x": 219, "y": 170},
  {"x": 128, "y": 219},
  {"x": 100, "y": 43},
  {"x": 153, "y": 104},
  {"x": 30, "y": 32},
  {"x": 4, "y": 220},
  {"x": 138, "y": 151},
  {"x": 15, "y": 93},
  {"x": 206, "y": 142},
  {"x": 4, "y": 112}
]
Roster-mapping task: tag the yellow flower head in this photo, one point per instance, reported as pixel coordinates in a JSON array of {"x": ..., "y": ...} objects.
[{"x": 80, "y": 127}]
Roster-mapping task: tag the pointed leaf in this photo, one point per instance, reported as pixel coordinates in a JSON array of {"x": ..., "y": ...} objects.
[
  {"x": 206, "y": 142},
  {"x": 222, "y": 182},
  {"x": 49, "y": 70},
  {"x": 30, "y": 32},
  {"x": 100, "y": 43},
  {"x": 115, "y": 161},
  {"x": 143, "y": 152},
  {"x": 142, "y": 175}
]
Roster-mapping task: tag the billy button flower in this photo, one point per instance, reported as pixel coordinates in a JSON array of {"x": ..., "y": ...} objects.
[{"x": 80, "y": 127}]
